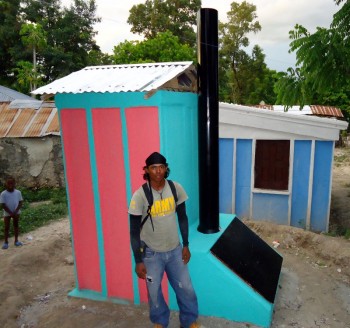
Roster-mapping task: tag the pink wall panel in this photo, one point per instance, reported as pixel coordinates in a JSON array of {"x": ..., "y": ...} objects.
[
  {"x": 143, "y": 139},
  {"x": 81, "y": 199},
  {"x": 113, "y": 201}
]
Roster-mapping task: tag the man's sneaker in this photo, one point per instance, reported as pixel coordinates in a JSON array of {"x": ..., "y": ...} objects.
[
  {"x": 195, "y": 325},
  {"x": 18, "y": 243},
  {"x": 5, "y": 246}
]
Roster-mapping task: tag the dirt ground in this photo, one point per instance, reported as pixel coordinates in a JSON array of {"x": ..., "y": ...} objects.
[
  {"x": 340, "y": 205},
  {"x": 314, "y": 288}
]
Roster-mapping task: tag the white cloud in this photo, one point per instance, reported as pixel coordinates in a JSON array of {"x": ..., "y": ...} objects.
[{"x": 277, "y": 18}]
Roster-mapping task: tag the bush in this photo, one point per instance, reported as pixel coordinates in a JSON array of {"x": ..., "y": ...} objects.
[
  {"x": 347, "y": 233},
  {"x": 39, "y": 195},
  {"x": 35, "y": 217}
]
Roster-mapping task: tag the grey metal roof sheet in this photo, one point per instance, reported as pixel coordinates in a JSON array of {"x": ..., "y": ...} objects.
[
  {"x": 7, "y": 95},
  {"x": 117, "y": 78},
  {"x": 25, "y": 103}
]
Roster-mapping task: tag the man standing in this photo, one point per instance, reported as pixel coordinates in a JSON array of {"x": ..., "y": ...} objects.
[{"x": 156, "y": 245}]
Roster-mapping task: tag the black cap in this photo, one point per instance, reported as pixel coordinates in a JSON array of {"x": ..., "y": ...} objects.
[{"x": 155, "y": 158}]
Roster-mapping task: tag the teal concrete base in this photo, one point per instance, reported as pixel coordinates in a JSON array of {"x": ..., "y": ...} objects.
[
  {"x": 95, "y": 296},
  {"x": 221, "y": 293}
]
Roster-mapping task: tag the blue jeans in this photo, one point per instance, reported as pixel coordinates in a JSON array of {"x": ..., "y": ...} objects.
[{"x": 170, "y": 262}]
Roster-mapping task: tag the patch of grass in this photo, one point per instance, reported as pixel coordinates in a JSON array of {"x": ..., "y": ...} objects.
[
  {"x": 340, "y": 158},
  {"x": 347, "y": 233},
  {"x": 331, "y": 233},
  {"x": 34, "y": 217},
  {"x": 38, "y": 195},
  {"x": 338, "y": 231}
]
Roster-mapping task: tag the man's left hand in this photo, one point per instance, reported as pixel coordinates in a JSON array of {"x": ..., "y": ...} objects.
[{"x": 186, "y": 255}]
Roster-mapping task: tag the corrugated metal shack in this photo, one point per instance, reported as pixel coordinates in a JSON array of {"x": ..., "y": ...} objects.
[{"x": 30, "y": 146}]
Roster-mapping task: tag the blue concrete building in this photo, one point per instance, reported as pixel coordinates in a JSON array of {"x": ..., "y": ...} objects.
[{"x": 277, "y": 166}]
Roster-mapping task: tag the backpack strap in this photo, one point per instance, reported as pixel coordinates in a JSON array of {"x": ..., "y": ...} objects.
[
  {"x": 173, "y": 190},
  {"x": 148, "y": 192}
]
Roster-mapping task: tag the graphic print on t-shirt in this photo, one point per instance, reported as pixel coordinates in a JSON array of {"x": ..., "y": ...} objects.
[{"x": 163, "y": 207}]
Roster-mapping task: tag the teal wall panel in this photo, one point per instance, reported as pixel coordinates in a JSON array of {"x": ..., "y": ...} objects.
[{"x": 179, "y": 143}]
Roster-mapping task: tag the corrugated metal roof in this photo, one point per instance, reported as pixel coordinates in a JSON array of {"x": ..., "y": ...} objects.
[
  {"x": 326, "y": 111},
  {"x": 7, "y": 95},
  {"x": 28, "y": 122},
  {"x": 21, "y": 122},
  {"x": 7, "y": 118},
  {"x": 53, "y": 126},
  {"x": 38, "y": 123},
  {"x": 329, "y": 111},
  {"x": 126, "y": 78}
]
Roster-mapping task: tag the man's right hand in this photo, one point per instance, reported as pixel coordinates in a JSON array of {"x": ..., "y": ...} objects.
[{"x": 141, "y": 270}]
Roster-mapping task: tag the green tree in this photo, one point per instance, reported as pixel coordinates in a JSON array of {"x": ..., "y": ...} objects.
[
  {"x": 96, "y": 57},
  {"x": 78, "y": 23},
  {"x": 128, "y": 52},
  {"x": 10, "y": 43},
  {"x": 70, "y": 34},
  {"x": 243, "y": 78},
  {"x": 164, "y": 47},
  {"x": 260, "y": 80},
  {"x": 68, "y": 31},
  {"x": 322, "y": 70},
  {"x": 27, "y": 77},
  {"x": 176, "y": 16},
  {"x": 34, "y": 37}
]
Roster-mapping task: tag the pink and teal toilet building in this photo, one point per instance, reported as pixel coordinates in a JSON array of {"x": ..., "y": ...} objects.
[
  {"x": 107, "y": 132},
  {"x": 112, "y": 118}
]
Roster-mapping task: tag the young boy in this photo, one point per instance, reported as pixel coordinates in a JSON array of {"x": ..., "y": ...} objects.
[{"x": 11, "y": 201}]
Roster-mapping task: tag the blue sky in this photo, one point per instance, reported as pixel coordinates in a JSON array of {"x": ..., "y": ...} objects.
[{"x": 276, "y": 17}]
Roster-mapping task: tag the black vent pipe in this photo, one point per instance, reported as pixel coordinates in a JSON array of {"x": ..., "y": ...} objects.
[{"x": 208, "y": 120}]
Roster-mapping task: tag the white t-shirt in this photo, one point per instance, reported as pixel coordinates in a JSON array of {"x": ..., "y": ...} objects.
[
  {"x": 165, "y": 236},
  {"x": 11, "y": 200}
]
